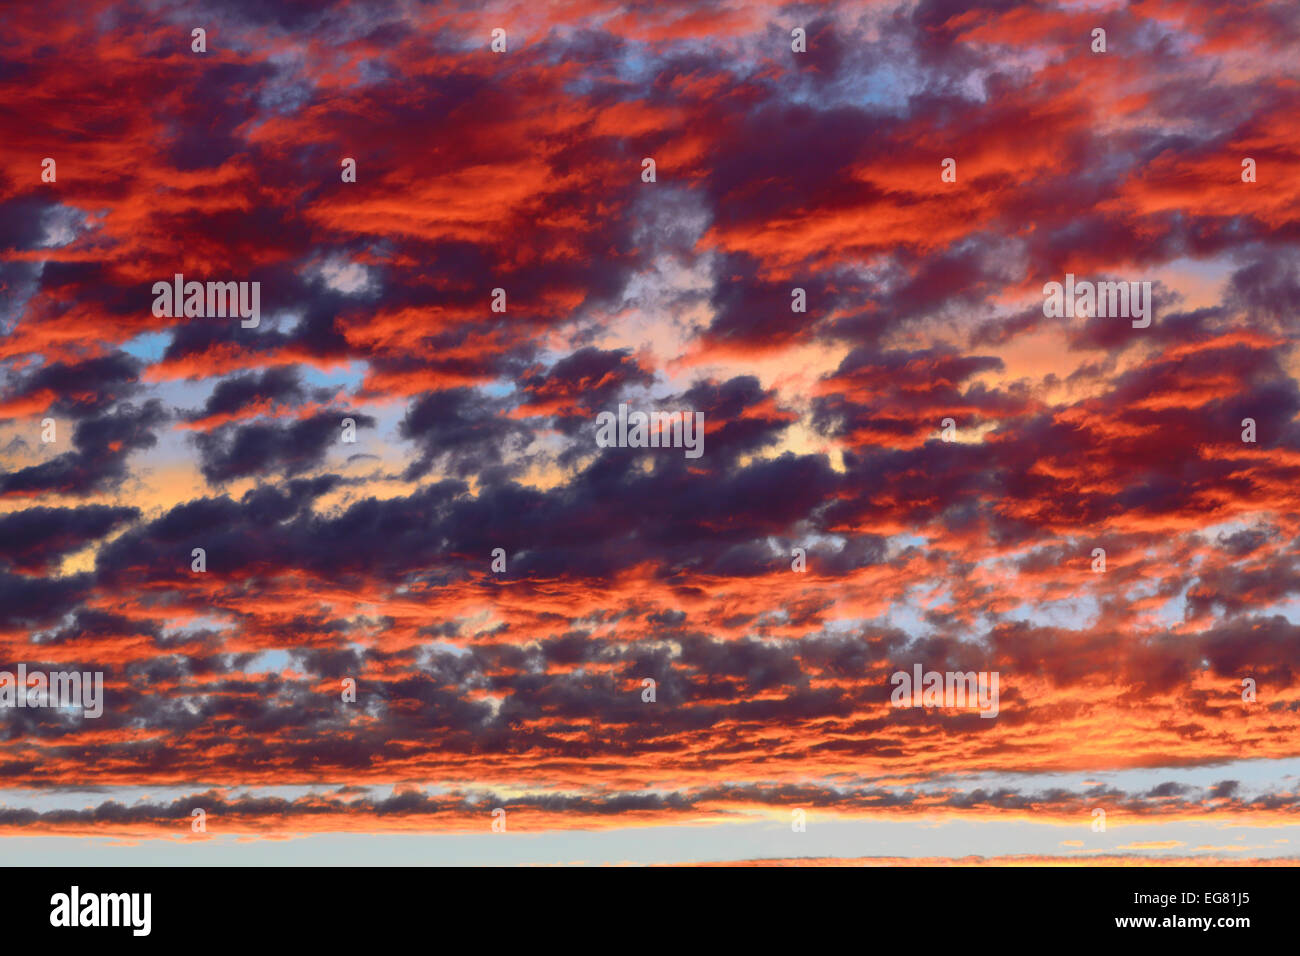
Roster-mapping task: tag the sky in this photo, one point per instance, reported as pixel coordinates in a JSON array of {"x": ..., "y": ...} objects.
[{"x": 366, "y": 581}]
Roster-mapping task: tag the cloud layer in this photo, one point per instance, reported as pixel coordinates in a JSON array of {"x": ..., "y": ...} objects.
[{"x": 371, "y": 560}]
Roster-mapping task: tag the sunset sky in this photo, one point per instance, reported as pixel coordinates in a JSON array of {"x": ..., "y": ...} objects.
[{"x": 966, "y": 548}]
